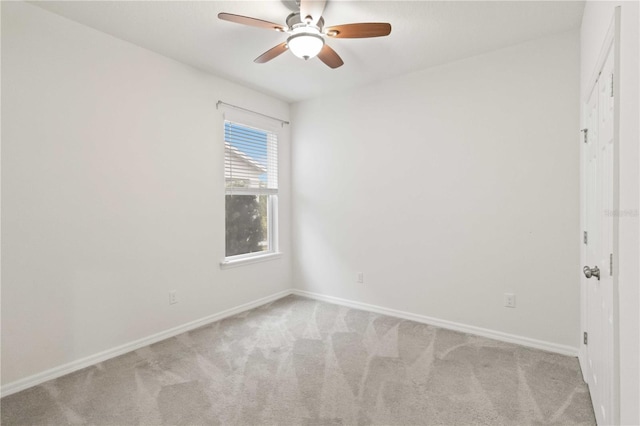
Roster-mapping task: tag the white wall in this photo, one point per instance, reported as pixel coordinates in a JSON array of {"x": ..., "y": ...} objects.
[
  {"x": 448, "y": 187},
  {"x": 595, "y": 24},
  {"x": 112, "y": 193}
]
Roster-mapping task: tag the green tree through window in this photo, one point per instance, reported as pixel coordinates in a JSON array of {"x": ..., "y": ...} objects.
[{"x": 246, "y": 223}]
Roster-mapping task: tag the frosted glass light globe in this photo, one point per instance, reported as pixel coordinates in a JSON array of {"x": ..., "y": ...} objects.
[{"x": 305, "y": 45}]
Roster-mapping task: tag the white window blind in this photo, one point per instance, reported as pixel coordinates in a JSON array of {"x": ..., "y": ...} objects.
[{"x": 251, "y": 160}]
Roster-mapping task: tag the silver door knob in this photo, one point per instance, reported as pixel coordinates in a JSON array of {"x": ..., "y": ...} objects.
[{"x": 591, "y": 272}]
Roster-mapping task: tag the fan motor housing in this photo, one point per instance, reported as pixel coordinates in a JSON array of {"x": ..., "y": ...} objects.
[{"x": 294, "y": 20}]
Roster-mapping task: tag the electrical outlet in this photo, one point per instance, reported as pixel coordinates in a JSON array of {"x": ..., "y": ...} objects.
[
  {"x": 360, "y": 277},
  {"x": 509, "y": 300},
  {"x": 173, "y": 297}
]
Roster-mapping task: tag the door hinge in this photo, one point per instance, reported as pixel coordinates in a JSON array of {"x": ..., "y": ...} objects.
[
  {"x": 611, "y": 264},
  {"x": 585, "y": 132},
  {"x": 585, "y": 338},
  {"x": 612, "y": 85},
  {"x": 585, "y": 237}
]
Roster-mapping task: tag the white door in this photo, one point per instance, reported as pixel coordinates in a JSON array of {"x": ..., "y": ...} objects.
[{"x": 598, "y": 271}]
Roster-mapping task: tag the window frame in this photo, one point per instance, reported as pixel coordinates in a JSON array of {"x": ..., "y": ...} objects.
[{"x": 273, "y": 251}]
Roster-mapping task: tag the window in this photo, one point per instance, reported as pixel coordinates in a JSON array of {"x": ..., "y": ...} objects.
[{"x": 251, "y": 191}]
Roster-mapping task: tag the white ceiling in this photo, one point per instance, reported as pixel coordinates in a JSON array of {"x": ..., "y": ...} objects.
[{"x": 424, "y": 34}]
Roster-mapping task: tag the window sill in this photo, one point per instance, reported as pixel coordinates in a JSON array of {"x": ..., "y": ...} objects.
[{"x": 232, "y": 263}]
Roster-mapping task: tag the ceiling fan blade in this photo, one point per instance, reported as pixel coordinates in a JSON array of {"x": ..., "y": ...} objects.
[
  {"x": 330, "y": 57},
  {"x": 271, "y": 53},
  {"x": 362, "y": 30},
  {"x": 245, "y": 20},
  {"x": 312, "y": 9}
]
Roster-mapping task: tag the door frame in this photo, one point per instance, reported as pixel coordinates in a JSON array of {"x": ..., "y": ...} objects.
[{"x": 610, "y": 42}]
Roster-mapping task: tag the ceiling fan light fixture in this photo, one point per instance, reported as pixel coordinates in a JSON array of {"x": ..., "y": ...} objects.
[
  {"x": 307, "y": 32},
  {"x": 305, "y": 45}
]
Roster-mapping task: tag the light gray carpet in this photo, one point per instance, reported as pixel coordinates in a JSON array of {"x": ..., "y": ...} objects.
[{"x": 301, "y": 362}]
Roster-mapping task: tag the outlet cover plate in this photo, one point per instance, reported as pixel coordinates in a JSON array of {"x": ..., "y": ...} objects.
[{"x": 509, "y": 300}]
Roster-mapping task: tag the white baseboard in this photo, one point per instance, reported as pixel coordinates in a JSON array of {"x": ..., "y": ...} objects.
[
  {"x": 478, "y": 331},
  {"x": 79, "y": 364}
]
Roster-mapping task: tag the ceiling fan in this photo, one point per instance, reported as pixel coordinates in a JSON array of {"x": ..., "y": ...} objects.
[{"x": 307, "y": 31}]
